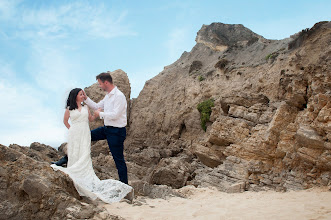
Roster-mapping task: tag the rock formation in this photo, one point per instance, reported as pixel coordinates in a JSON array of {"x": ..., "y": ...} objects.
[
  {"x": 30, "y": 189},
  {"x": 269, "y": 126}
]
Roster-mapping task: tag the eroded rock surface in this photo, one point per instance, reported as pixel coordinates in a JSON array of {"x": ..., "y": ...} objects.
[
  {"x": 270, "y": 124},
  {"x": 31, "y": 189}
]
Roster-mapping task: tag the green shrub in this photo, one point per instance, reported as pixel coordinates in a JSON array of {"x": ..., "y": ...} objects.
[
  {"x": 268, "y": 56},
  {"x": 201, "y": 78},
  {"x": 205, "y": 111},
  {"x": 272, "y": 56}
]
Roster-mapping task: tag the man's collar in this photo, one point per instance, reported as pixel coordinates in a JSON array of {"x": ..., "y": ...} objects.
[{"x": 112, "y": 92}]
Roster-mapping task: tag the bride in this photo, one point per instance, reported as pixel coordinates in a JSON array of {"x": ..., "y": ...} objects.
[{"x": 79, "y": 166}]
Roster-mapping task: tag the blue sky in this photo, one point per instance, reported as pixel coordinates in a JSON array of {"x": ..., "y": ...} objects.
[{"x": 49, "y": 47}]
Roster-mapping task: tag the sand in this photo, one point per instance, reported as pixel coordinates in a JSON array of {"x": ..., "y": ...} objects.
[{"x": 206, "y": 203}]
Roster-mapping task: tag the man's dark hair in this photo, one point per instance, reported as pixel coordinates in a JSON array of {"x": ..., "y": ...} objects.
[
  {"x": 105, "y": 77},
  {"x": 71, "y": 101}
]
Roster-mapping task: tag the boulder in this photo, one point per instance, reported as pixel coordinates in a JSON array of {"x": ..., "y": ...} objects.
[
  {"x": 31, "y": 189},
  {"x": 172, "y": 172}
]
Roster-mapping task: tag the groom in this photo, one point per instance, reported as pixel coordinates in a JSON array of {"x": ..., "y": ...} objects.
[{"x": 114, "y": 115}]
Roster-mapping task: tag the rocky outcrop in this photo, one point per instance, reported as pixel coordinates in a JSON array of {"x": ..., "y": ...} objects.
[
  {"x": 221, "y": 37},
  {"x": 30, "y": 189},
  {"x": 269, "y": 127}
]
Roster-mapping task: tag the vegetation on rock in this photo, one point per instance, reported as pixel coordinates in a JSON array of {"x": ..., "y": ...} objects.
[{"x": 205, "y": 111}]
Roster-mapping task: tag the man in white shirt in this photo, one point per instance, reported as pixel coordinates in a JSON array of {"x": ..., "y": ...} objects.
[{"x": 112, "y": 109}]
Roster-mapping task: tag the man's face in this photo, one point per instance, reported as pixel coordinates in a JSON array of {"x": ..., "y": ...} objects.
[{"x": 102, "y": 85}]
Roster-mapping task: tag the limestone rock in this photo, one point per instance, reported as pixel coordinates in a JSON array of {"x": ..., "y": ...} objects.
[
  {"x": 308, "y": 137},
  {"x": 270, "y": 124},
  {"x": 173, "y": 172},
  {"x": 142, "y": 188},
  {"x": 37, "y": 151},
  {"x": 207, "y": 155},
  {"x": 227, "y": 130},
  {"x": 31, "y": 189},
  {"x": 237, "y": 188},
  {"x": 222, "y": 36}
]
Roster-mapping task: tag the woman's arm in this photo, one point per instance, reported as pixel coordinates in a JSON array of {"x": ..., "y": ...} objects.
[
  {"x": 66, "y": 118},
  {"x": 90, "y": 117}
]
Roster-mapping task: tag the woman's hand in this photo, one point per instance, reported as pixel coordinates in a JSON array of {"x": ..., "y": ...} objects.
[{"x": 90, "y": 116}]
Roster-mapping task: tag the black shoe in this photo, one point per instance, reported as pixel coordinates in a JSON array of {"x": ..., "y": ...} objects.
[{"x": 62, "y": 161}]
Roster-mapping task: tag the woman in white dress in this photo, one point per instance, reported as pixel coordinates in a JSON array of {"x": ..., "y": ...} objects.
[{"x": 79, "y": 166}]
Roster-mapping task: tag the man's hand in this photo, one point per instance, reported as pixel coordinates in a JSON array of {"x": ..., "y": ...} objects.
[
  {"x": 84, "y": 94},
  {"x": 97, "y": 112}
]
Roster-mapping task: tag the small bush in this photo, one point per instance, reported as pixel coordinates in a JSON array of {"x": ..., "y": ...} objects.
[
  {"x": 205, "y": 111},
  {"x": 201, "y": 78},
  {"x": 268, "y": 56},
  {"x": 272, "y": 56}
]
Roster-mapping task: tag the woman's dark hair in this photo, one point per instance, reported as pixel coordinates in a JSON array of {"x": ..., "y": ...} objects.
[
  {"x": 71, "y": 101},
  {"x": 105, "y": 77}
]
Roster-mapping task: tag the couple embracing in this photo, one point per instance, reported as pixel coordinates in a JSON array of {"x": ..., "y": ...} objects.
[{"x": 112, "y": 109}]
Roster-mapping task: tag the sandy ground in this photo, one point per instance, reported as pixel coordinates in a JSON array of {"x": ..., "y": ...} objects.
[{"x": 205, "y": 203}]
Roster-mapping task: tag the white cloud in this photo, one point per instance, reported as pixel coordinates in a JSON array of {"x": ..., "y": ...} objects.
[
  {"x": 25, "y": 118},
  {"x": 7, "y": 8},
  {"x": 28, "y": 113},
  {"x": 74, "y": 19},
  {"x": 6, "y": 70},
  {"x": 52, "y": 68}
]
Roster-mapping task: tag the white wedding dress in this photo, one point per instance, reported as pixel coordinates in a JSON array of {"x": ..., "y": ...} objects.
[{"x": 79, "y": 166}]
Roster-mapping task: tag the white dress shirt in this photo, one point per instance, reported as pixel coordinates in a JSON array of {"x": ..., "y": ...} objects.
[{"x": 114, "y": 108}]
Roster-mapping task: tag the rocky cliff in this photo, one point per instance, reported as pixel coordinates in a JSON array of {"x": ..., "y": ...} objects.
[
  {"x": 268, "y": 124},
  {"x": 30, "y": 189}
]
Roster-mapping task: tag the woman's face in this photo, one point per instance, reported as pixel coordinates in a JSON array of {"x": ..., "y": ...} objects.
[{"x": 80, "y": 96}]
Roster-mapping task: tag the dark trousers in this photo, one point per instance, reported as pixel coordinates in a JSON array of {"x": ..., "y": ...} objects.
[{"x": 115, "y": 138}]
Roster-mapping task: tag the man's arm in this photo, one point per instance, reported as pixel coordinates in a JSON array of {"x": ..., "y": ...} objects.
[{"x": 92, "y": 104}]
